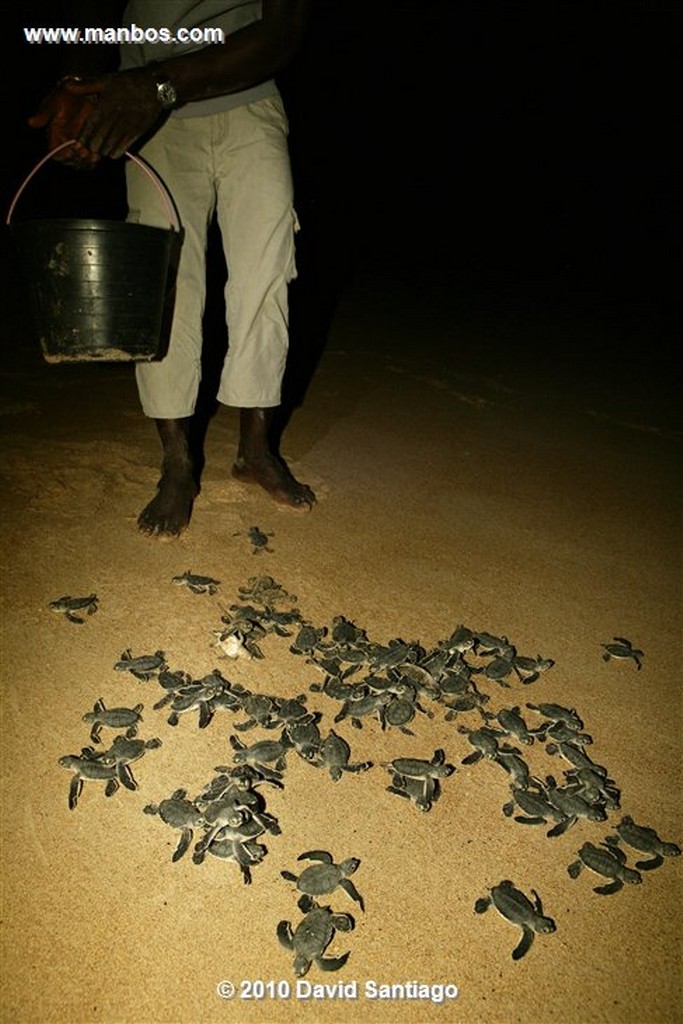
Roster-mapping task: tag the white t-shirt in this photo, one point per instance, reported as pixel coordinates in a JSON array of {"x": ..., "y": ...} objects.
[{"x": 171, "y": 15}]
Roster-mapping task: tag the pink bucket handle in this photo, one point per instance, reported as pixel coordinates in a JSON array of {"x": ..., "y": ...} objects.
[{"x": 153, "y": 176}]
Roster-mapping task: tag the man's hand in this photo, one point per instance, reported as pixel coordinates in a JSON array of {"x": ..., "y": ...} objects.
[
  {"x": 125, "y": 108},
  {"x": 63, "y": 115}
]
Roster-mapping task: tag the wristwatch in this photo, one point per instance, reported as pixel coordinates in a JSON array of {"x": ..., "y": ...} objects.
[{"x": 166, "y": 91}]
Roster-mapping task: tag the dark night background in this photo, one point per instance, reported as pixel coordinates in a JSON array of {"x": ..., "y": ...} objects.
[{"x": 513, "y": 158}]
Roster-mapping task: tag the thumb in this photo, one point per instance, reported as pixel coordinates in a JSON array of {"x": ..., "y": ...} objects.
[{"x": 38, "y": 120}]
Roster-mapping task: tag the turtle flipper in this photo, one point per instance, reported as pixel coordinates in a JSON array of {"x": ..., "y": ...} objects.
[
  {"x": 649, "y": 865},
  {"x": 331, "y": 963},
  {"x": 561, "y": 827},
  {"x": 472, "y": 758},
  {"x": 75, "y": 791},
  {"x": 398, "y": 792},
  {"x": 126, "y": 777},
  {"x": 285, "y": 934},
  {"x": 349, "y": 888},
  {"x": 608, "y": 890},
  {"x": 524, "y": 944},
  {"x": 183, "y": 844},
  {"x": 575, "y": 869},
  {"x": 205, "y": 714},
  {"x": 322, "y": 855}
]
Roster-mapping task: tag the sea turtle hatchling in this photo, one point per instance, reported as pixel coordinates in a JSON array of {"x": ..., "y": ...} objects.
[
  {"x": 259, "y": 539},
  {"x": 143, "y": 667},
  {"x": 422, "y": 793},
  {"x": 197, "y": 584},
  {"x": 417, "y": 768},
  {"x": 244, "y": 854},
  {"x": 334, "y": 753},
  {"x": 623, "y": 648},
  {"x": 261, "y": 754},
  {"x": 89, "y": 769},
  {"x": 558, "y": 713},
  {"x": 113, "y": 718},
  {"x": 645, "y": 840},
  {"x": 123, "y": 752},
  {"x": 181, "y": 813},
  {"x": 607, "y": 861},
  {"x": 68, "y": 606},
  {"x": 512, "y": 723},
  {"x": 266, "y": 591},
  {"x": 322, "y": 878},
  {"x": 311, "y": 937},
  {"x": 515, "y": 907}
]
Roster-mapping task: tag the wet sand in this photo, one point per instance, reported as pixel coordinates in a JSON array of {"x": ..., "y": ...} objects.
[{"x": 479, "y": 459}]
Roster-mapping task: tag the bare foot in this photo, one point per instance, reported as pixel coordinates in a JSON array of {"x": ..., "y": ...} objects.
[
  {"x": 169, "y": 511},
  {"x": 275, "y": 478}
]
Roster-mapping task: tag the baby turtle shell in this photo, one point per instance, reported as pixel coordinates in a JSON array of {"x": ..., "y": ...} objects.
[
  {"x": 646, "y": 840},
  {"x": 68, "y": 606},
  {"x": 334, "y": 753},
  {"x": 197, "y": 584},
  {"x": 87, "y": 767},
  {"x": 610, "y": 863},
  {"x": 623, "y": 648},
  {"x": 113, "y": 718},
  {"x": 313, "y": 935},
  {"x": 515, "y": 907},
  {"x": 323, "y": 878},
  {"x": 144, "y": 667},
  {"x": 181, "y": 813}
]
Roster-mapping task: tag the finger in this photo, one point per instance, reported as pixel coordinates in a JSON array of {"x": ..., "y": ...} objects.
[
  {"x": 38, "y": 120},
  {"x": 93, "y": 85}
]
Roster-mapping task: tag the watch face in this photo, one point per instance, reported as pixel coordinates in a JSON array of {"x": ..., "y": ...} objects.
[{"x": 166, "y": 94}]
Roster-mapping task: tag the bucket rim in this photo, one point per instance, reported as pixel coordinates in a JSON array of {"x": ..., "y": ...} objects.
[{"x": 87, "y": 223}]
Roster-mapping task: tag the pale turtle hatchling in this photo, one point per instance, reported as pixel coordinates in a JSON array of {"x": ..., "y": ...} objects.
[
  {"x": 623, "y": 648},
  {"x": 610, "y": 862},
  {"x": 113, "y": 718},
  {"x": 311, "y": 937},
  {"x": 197, "y": 584},
  {"x": 323, "y": 878},
  {"x": 68, "y": 606},
  {"x": 645, "y": 840},
  {"x": 515, "y": 907}
]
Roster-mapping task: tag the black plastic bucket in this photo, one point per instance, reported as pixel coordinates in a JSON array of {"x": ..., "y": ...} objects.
[{"x": 97, "y": 288}]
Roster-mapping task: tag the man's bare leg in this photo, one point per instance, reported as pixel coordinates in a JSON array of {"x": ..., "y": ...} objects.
[
  {"x": 168, "y": 513},
  {"x": 256, "y": 463}
]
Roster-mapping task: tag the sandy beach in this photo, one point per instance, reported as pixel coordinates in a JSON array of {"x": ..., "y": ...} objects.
[{"x": 490, "y": 421}]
